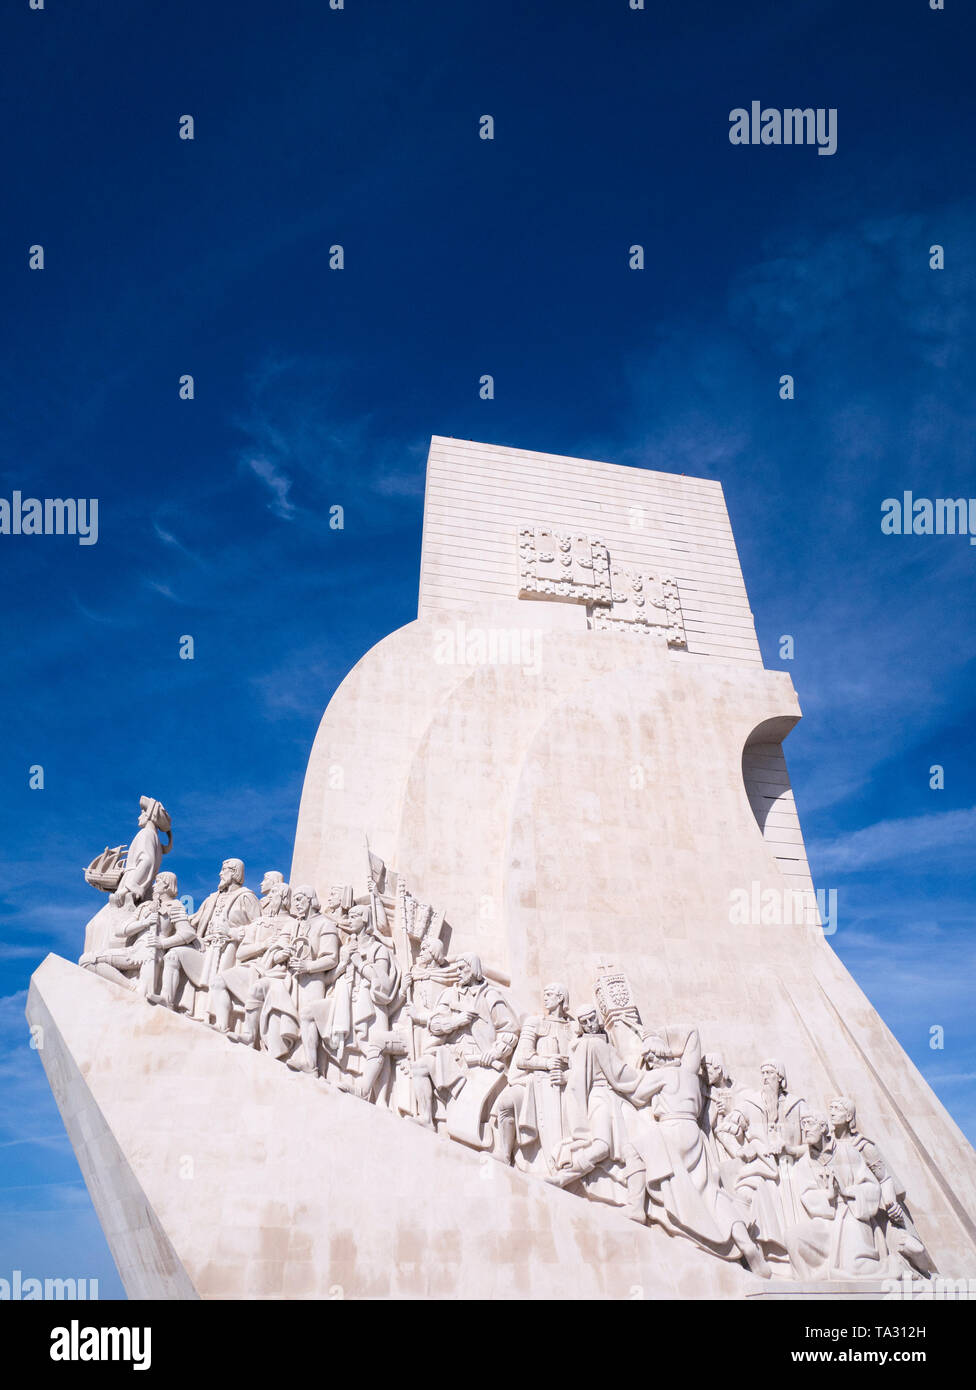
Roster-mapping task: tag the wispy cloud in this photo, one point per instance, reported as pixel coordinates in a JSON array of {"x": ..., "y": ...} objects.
[
  {"x": 168, "y": 538},
  {"x": 163, "y": 589},
  {"x": 278, "y": 484},
  {"x": 933, "y": 836}
]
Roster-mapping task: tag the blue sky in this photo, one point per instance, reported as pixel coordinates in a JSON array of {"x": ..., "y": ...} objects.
[{"x": 316, "y": 387}]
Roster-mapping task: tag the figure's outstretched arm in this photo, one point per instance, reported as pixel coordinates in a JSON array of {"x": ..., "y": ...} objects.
[{"x": 691, "y": 1053}]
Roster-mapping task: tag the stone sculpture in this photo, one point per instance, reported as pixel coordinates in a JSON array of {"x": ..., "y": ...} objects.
[
  {"x": 368, "y": 989},
  {"x": 128, "y": 872},
  {"x": 837, "y": 1199},
  {"x": 531, "y": 1109},
  {"x": 717, "y": 1089},
  {"x": 477, "y": 1031},
  {"x": 747, "y": 1169},
  {"x": 684, "y": 1194},
  {"x": 425, "y": 982},
  {"x": 134, "y": 956},
  {"x": 577, "y": 568},
  {"x": 248, "y": 980},
  {"x": 599, "y": 1080},
  {"x": 208, "y": 944},
  {"x": 312, "y": 963},
  {"x": 904, "y": 1247},
  {"x": 598, "y": 1105}
]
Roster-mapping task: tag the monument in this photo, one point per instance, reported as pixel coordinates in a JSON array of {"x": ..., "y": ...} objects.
[{"x": 545, "y": 1007}]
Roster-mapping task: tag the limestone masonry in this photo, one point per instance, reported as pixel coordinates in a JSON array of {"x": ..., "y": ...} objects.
[{"x": 505, "y": 1029}]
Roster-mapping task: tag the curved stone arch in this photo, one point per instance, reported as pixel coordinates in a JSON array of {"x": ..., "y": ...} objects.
[{"x": 766, "y": 780}]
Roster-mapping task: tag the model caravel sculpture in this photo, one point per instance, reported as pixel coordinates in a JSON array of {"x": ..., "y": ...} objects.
[{"x": 106, "y": 869}]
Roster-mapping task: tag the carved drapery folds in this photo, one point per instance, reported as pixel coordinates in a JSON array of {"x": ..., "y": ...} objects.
[
  {"x": 573, "y": 567},
  {"x": 361, "y": 993}
]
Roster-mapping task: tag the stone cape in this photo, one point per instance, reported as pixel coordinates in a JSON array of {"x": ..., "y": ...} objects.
[{"x": 585, "y": 816}]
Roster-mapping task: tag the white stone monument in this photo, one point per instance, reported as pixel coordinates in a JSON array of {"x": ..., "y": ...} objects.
[{"x": 547, "y": 1010}]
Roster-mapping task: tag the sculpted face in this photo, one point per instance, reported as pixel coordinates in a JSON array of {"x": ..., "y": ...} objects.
[
  {"x": 357, "y": 921},
  {"x": 839, "y": 1113},
  {"x": 590, "y": 1021},
  {"x": 271, "y": 880},
  {"x": 771, "y": 1076},
  {"x": 229, "y": 873},
  {"x": 465, "y": 971},
  {"x": 813, "y": 1127},
  {"x": 427, "y": 954},
  {"x": 301, "y": 903},
  {"x": 554, "y": 999},
  {"x": 162, "y": 888},
  {"x": 713, "y": 1071}
]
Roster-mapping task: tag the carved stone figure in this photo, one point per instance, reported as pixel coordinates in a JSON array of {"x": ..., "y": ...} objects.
[
  {"x": 716, "y": 1092},
  {"x": 217, "y": 928},
  {"x": 144, "y": 854},
  {"x": 531, "y": 1108},
  {"x": 689, "y": 1200},
  {"x": 905, "y": 1249},
  {"x": 314, "y": 957},
  {"x": 477, "y": 1030},
  {"x": 773, "y": 1112},
  {"x": 237, "y": 983},
  {"x": 773, "y": 1115},
  {"x": 368, "y": 988},
  {"x": 838, "y": 1199},
  {"x": 425, "y": 982},
  {"x": 133, "y": 957},
  {"x": 751, "y": 1173},
  {"x": 597, "y": 1137}
]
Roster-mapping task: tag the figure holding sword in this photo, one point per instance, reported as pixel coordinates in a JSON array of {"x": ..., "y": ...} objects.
[{"x": 531, "y": 1108}]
